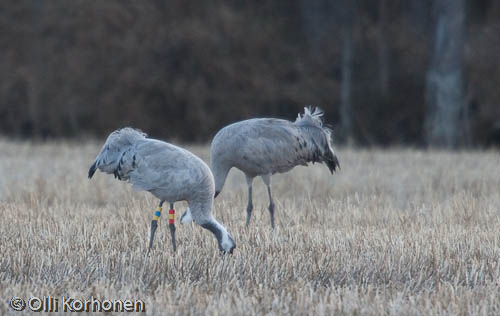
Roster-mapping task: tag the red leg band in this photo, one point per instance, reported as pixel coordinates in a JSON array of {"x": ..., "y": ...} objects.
[{"x": 171, "y": 216}]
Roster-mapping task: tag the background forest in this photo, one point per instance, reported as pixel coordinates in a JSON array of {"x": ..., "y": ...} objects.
[{"x": 387, "y": 72}]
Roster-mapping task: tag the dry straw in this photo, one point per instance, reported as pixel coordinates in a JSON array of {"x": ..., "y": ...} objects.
[{"x": 396, "y": 232}]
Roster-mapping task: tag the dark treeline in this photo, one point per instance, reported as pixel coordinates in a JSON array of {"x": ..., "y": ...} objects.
[{"x": 416, "y": 72}]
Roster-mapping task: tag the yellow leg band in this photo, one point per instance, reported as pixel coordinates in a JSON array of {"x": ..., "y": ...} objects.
[
  {"x": 171, "y": 216},
  {"x": 157, "y": 214}
]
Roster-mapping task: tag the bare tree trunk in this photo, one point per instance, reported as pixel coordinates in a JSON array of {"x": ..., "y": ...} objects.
[
  {"x": 320, "y": 17},
  {"x": 34, "y": 74},
  {"x": 346, "y": 84},
  {"x": 383, "y": 50},
  {"x": 444, "y": 89},
  {"x": 313, "y": 17}
]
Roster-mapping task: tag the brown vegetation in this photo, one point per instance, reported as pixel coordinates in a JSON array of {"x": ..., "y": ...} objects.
[
  {"x": 184, "y": 70},
  {"x": 397, "y": 232}
]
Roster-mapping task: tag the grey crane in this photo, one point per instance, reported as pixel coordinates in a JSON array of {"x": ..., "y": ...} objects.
[
  {"x": 169, "y": 172},
  {"x": 264, "y": 146}
]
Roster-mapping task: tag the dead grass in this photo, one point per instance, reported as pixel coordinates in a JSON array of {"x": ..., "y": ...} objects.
[{"x": 396, "y": 232}]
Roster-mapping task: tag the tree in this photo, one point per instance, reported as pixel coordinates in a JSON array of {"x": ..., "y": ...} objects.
[
  {"x": 444, "y": 87},
  {"x": 383, "y": 49},
  {"x": 346, "y": 112},
  {"x": 321, "y": 18}
]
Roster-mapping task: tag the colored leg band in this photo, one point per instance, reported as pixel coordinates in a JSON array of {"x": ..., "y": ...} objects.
[
  {"x": 171, "y": 216},
  {"x": 157, "y": 214}
]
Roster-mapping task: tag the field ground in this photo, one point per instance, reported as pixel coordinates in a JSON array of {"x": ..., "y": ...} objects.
[{"x": 395, "y": 232}]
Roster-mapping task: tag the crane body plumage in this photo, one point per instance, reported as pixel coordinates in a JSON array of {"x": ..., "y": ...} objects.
[
  {"x": 265, "y": 146},
  {"x": 167, "y": 171}
]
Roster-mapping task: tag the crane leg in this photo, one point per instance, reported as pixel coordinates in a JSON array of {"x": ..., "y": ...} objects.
[
  {"x": 171, "y": 224},
  {"x": 154, "y": 225},
  {"x": 250, "y": 205},
  {"x": 267, "y": 181},
  {"x": 271, "y": 206}
]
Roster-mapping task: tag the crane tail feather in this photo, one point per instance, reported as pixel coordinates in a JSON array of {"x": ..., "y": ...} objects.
[
  {"x": 92, "y": 170},
  {"x": 333, "y": 164}
]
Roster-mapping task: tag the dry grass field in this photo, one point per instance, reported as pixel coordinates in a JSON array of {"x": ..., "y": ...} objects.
[{"x": 395, "y": 232}]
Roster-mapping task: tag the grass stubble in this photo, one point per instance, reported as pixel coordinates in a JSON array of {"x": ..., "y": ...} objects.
[{"x": 395, "y": 232}]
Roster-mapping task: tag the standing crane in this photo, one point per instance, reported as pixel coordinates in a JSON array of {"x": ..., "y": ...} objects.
[
  {"x": 264, "y": 146},
  {"x": 169, "y": 172}
]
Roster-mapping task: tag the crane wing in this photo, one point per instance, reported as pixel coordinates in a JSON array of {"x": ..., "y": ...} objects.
[
  {"x": 157, "y": 165},
  {"x": 273, "y": 145}
]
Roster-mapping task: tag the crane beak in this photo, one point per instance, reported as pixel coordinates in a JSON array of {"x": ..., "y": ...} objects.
[{"x": 92, "y": 170}]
